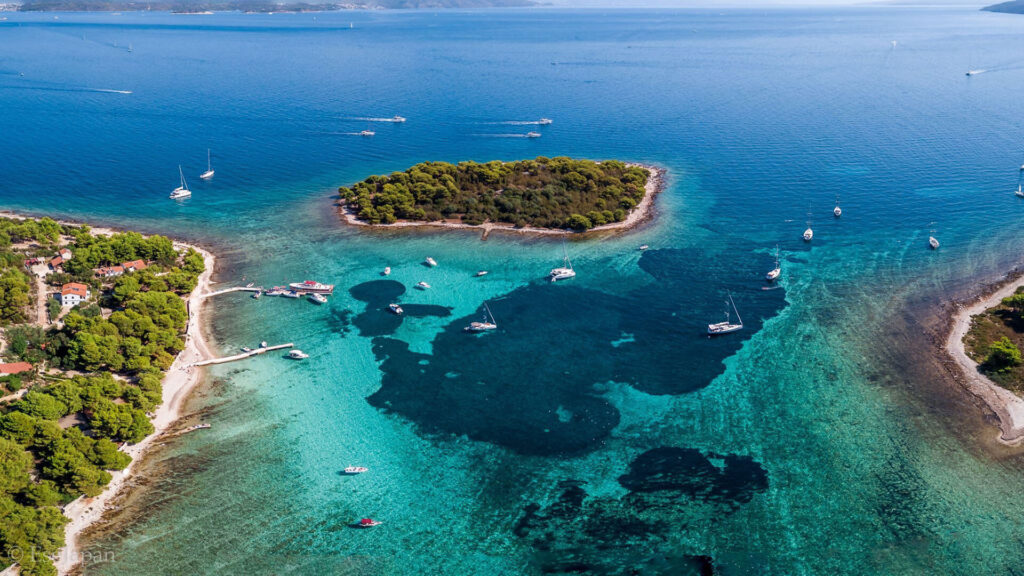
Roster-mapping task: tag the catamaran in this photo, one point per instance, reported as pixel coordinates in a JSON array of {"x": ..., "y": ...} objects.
[
  {"x": 181, "y": 191},
  {"x": 209, "y": 168},
  {"x": 774, "y": 273},
  {"x": 487, "y": 324},
  {"x": 726, "y": 327},
  {"x": 565, "y": 272}
]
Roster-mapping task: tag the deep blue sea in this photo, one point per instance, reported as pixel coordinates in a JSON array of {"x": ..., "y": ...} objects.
[{"x": 598, "y": 430}]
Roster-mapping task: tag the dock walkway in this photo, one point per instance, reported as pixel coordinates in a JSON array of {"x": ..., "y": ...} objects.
[{"x": 243, "y": 355}]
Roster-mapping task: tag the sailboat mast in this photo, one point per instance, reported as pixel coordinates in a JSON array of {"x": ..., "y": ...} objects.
[
  {"x": 208, "y": 165},
  {"x": 735, "y": 310},
  {"x": 489, "y": 314}
]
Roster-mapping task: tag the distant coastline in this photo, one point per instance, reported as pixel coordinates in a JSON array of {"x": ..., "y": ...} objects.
[
  {"x": 1007, "y": 406},
  {"x": 251, "y": 6},
  {"x": 643, "y": 212},
  {"x": 1011, "y": 7}
]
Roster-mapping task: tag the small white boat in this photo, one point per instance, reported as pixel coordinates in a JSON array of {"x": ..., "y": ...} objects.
[
  {"x": 263, "y": 344},
  {"x": 565, "y": 271},
  {"x": 317, "y": 298},
  {"x": 367, "y": 523},
  {"x": 974, "y": 72},
  {"x": 367, "y": 133},
  {"x": 837, "y": 211},
  {"x": 431, "y": 262},
  {"x": 726, "y": 327},
  {"x": 933, "y": 242},
  {"x": 808, "y": 234},
  {"x": 1022, "y": 167},
  {"x": 774, "y": 273},
  {"x": 256, "y": 295},
  {"x": 480, "y": 273},
  {"x": 544, "y": 121},
  {"x": 246, "y": 349},
  {"x": 422, "y": 285},
  {"x": 297, "y": 355},
  {"x": 290, "y": 294},
  {"x": 387, "y": 271},
  {"x": 356, "y": 470},
  {"x": 181, "y": 191},
  {"x": 209, "y": 168},
  {"x": 533, "y": 134},
  {"x": 644, "y": 247},
  {"x": 487, "y": 324},
  {"x": 397, "y": 119},
  {"x": 395, "y": 308},
  {"x": 1020, "y": 192},
  {"x": 276, "y": 291}
]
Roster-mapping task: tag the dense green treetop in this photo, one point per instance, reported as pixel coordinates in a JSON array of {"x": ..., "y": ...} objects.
[{"x": 544, "y": 192}]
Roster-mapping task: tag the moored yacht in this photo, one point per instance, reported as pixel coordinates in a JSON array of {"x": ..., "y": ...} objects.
[
  {"x": 837, "y": 211},
  {"x": 726, "y": 327},
  {"x": 422, "y": 285},
  {"x": 355, "y": 470},
  {"x": 563, "y": 273},
  {"x": 480, "y": 273},
  {"x": 181, "y": 191},
  {"x": 209, "y": 168},
  {"x": 808, "y": 234},
  {"x": 312, "y": 286},
  {"x": 367, "y": 523},
  {"x": 290, "y": 294},
  {"x": 396, "y": 309},
  {"x": 487, "y": 324},
  {"x": 297, "y": 355},
  {"x": 317, "y": 298},
  {"x": 430, "y": 262}
]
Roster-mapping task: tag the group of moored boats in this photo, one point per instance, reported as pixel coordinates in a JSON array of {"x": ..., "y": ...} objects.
[
  {"x": 183, "y": 191},
  {"x": 315, "y": 292},
  {"x": 488, "y": 322}
]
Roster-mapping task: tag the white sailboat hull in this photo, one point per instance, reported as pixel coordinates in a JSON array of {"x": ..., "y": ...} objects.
[{"x": 206, "y": 175}]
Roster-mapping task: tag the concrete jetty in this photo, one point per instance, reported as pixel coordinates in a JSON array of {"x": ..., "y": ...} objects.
[
  {"x": 235, "y": 289},
  {"x": 244, "y": 355}
]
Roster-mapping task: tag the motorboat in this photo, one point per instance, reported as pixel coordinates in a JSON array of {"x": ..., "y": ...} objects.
[
  {"x": 356, "y": 470},
  {"x": 297, "y": 355},
  {"x": 480, "y": 273},
  {"x": 396, "y": 309},
  {"x": 544, "y": 121},
  {"x": 397, "y": 119},
  {"x": 422, "y": 285},
  {"x": 533, "y": 134},
  {"x": 276, "y": 291},
  {"x": 256, "y": 295},
  {"x": 933, "y": 242},
  {"x": 367, "y": 523},
  {"x": 317, "y": 298},
  {"x": 311, "y": 286},
  {"x": 291, "y": 294},
  {"x": 644, "y": 247},
  {"x": 387, "y": 271},
  {"x": 367, "y": 133},
  {"x": 431, "y": 262}
]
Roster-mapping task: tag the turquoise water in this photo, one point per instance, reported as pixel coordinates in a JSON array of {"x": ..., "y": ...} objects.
[{"x": 597, "y": 430}]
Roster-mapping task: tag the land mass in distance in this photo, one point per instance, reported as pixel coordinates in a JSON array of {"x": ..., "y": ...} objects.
[{"x": 261, "y": 6}]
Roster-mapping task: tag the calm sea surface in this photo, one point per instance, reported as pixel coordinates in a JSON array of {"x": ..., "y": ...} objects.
[{"x": 598, "y": 430}]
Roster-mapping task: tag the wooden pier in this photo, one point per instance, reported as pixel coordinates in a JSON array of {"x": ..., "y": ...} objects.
[
  {"x": 235, "y": 289},
  {"x": 244, "y": 355}
]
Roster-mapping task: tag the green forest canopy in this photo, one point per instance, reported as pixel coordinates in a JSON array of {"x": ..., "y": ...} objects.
[
  {"x": 43, "y": 464},
  {"x": 544, "y": 192}
]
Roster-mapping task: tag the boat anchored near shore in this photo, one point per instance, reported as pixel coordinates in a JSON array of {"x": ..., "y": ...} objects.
[
  {"x": 726, "y": 327},
  {"x": 487, "y": 324},
  {"x": 209, "y": 167},
  {"x": 181, "y": 191}
]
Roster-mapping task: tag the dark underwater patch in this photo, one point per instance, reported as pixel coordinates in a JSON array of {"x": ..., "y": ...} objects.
[
  {"x": 687, "y": 472},
  {"x": 377, "y": 319}
]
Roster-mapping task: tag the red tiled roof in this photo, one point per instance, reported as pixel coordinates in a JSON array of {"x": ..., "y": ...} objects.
[
  {"x": 15, "y": 368},
  {"x": 56, "y": 261},
  {"x": 74, "y": 288},
  {"x": 136, "y": 264}
]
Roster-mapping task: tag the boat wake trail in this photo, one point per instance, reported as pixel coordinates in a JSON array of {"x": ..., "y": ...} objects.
[
  {"x": 67, "y": 89},
  {"x": 517, "y": 123},
  {"x": 499, "y": 135},
  {"x": 362, "y": 119}
]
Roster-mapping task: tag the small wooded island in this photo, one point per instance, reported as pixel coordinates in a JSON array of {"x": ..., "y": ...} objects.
[
  {"x": 543, "y": 194},
  {"x": 1012, "y": 7}
]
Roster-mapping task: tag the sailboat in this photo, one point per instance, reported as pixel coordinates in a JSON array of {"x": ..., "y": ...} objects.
[
  {"x": 774, "y": 273},
  {"x": 209, "y": 169},
  {"x": 808, "y": 234},
  {"x": 1020, "y": 191},
  {"x": 932, "y": 241},
  {"x": 566, "y": 271},
  {"x": 837, "y": 211},
  {"x": 487, "y": 324},
  {"x": 181, "y": 191},
  {"x": 727, "y": 327}
]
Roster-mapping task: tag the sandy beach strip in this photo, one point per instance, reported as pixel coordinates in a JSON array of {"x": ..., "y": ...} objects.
[
  {"x": 1007, "y": 406},
  {"x": 643, "y": 212},
  {"x": 178, "y": 382}
]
